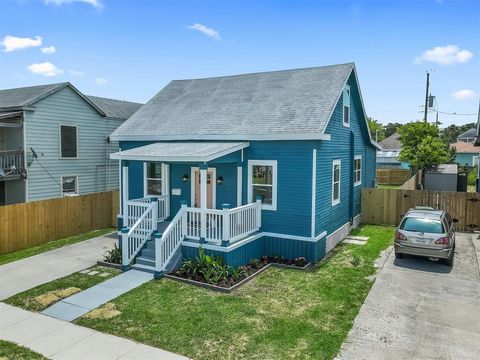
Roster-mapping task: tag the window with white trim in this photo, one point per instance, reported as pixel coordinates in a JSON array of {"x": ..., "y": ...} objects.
[
  {"x": 336, "y": 168},
  {"x": 153, "y": 178},
  {"x": 346, "y": 106},
  {"x": 69, "y": 185},
  {"x": 475, "y": 160},
  {"x": 357, "y": 170},
  {"x": 262, "y": 182},
  {"x": 68, "y": 142}
]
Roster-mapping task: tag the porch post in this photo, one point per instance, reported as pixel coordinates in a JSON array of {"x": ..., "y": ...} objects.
[
  {"x": 203, "y": 202},
  {"x": 125, "y": 193},
  {"x": 154, "y": 201},
  {"x": 124, "y": 236},
  {"x": 239, "y": 184},
  {"x": 226, "y": 225},
  {"x": 259, "y": 211}
]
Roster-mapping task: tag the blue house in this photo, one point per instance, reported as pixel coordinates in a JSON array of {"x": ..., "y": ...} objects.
[{"x": 248, "y": 165}]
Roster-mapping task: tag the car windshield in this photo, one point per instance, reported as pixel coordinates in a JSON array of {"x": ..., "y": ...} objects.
[{"x": 422, "y": 225}]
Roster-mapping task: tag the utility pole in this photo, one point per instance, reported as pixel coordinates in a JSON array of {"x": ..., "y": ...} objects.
[{"x": 426, "y": 97}]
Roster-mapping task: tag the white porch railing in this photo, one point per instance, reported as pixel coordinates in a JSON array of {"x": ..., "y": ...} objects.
[
  {"x": 244, "y": 220},
  {"x": 163, "y": 205},
  {"x": 141, "y": 222}
]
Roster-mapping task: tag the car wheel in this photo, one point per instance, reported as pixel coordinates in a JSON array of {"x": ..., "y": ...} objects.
[
  {"x": 398, "y": 255},
  {"x": 449, "y": 260}
]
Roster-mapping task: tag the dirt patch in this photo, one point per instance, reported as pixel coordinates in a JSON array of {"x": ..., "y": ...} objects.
[
  {"x": 107, "y": 311},
  {"x": 56, "y": 295}
]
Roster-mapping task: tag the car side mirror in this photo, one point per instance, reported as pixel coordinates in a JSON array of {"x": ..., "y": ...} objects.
[{"x": 455, "y": 221}]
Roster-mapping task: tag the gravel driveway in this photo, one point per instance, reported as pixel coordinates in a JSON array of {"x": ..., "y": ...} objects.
[{"x": 419, "y": 309}]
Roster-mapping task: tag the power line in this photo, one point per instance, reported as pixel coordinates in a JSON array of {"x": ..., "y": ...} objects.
[{"x": 452, "y": 113}]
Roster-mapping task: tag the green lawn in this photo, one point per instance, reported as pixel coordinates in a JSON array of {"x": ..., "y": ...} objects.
[
  {"x": 281, "y": 314},
  {"x": 42, "y": 296},
  {"x": 51, "y": 245},
  {"x": 12, "y": 351}
]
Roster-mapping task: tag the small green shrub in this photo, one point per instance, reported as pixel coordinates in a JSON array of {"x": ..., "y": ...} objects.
[
  {"x": 472, "y": 177},
  {"x": 355, "y": 261},
  {"x": 254, "y": 263},
  {"x": 114, "y": 255}
]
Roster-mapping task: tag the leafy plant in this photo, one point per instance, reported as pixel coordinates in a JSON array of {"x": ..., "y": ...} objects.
[
  {"x": 114, "y": 255},
  {"x": 254, "y": 263},
  {"x": 355, "y": 261},
  {"x": 300, "y": 261}
]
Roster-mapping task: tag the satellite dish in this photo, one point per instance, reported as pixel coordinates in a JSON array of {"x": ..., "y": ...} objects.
[{"x": 35, "y": 156}]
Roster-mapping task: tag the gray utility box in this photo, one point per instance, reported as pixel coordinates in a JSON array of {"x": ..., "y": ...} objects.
[{"x": 442, "y": 178}]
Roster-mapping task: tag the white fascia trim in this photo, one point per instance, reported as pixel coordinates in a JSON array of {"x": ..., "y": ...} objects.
[
  {"x": 197, "y": 159},
  {"x": 249, "y": 137},
  {"x": 247, "y": 240}
]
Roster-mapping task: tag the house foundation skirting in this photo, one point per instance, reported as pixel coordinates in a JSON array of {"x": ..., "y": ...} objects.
[{"x": 341, "y": 233}]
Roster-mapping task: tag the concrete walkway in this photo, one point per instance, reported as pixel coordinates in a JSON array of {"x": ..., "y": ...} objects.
[
  {"x": 27, "y": 273},
  {"x": 79, "y": 304},
  {"x": 419, "y": 309},
  {"x": 58, "y": 339}
]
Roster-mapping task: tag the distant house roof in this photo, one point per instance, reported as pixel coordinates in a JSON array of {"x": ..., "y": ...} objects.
[
  {"x": 115, "y": 108},
  {"x": 463, "y": 147},
  {"x": 392, "y": 142},
  {"x": 24, "y": 97},
  {"x": 477, "y": 140},
  {"x": 289, "y": 104},
  {"x": 469, "y": 134}
]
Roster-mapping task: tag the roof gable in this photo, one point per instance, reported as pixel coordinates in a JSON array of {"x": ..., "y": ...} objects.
[
  {"x": 279, "y": 104},
  {"x": 391, "y": 142}
]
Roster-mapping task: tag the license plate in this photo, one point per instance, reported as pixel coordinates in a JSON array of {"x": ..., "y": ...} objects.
[{"x": 420, "y": 240}]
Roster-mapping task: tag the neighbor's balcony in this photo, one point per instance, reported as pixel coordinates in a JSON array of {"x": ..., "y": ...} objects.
[{"x": 12, "y": 163}]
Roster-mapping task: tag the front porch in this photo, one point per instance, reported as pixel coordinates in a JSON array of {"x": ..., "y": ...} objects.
[{"x": 182, "y": 200}]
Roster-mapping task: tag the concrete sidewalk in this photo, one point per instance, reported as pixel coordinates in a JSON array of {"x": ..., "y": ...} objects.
[
  {"x": 419, "y": 309},
  {"x": 79, "y": 304},
  {"x": 57, "y": 339},
  {"x": 27, "y": 273}
]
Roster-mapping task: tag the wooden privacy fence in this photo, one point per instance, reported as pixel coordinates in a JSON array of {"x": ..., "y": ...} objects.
[
  {"x": 29, "y": 224},
  {"x": 392, "y": 176},
  {"x": 386, "y": 206}
]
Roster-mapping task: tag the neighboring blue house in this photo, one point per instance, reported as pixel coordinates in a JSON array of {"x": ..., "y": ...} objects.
[
  {"x": 467, "y": 154},
  {"x": 248, "y": 165},
  {"x": 54, "y": 142}
]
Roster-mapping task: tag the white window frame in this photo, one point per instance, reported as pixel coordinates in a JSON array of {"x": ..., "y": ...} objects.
[
  {"x": 60, "y": 141},
  {"x": 346, "y": 91},
  {"x": 334, "y": 163},
  {"x": 162, "y": 179},
  {"x": 475, "y": 160},
  {"x": 62, "y": 194},
  {"x": 273, "y": 164},
  {"x": 355, "y": 170}
]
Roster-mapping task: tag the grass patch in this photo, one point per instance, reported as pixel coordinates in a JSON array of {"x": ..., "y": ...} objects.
[
  {"x": 12, "y": 351},
  {"x": 51, "y": 245},
  {"x": 281, "y": 314},
  {"x": 42, "y": 296}
]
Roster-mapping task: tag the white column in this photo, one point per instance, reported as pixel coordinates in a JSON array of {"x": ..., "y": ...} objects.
[
  {"x": 203, "y": 201},
  {"x": 239, "y": 185},
  {"x": 125, "y": 194}
]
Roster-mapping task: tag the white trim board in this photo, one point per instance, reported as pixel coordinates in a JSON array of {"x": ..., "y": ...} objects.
[{"x": 314, "y": 190}]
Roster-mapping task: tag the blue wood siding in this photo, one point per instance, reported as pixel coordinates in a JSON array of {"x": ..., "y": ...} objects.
[
  {"x": 466, "y": 158},
  {"x": 95, "y": 171},
  {"x": 329, "y": 218},
  {"x": 265, "y": 246}
]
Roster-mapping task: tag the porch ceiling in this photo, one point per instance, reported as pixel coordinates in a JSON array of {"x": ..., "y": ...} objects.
[{"x": 180, "y": 151}]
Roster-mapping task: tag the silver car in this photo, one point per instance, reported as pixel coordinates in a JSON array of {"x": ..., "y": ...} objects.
[{"x": 427, "y": 232}]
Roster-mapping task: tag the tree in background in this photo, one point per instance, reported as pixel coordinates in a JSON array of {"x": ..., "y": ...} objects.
[
  {"x": 451, "y": 133},
  {"x": 422, "y": 146},
  {"x": 392, "y": 128},
  {"x": 377, "y": 130}
]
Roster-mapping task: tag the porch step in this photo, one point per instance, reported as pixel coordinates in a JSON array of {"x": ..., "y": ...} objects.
[
  {"x": 144, "y": 268},
  {"x": 145, "y": 261}
]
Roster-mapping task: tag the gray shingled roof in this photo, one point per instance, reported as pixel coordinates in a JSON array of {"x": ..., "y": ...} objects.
[
  {"x": 470, "y": 133},
  {"x": 24, "y": 96},
  {"x": 296, "y": 101},
  {"x": 391, "y": 142},
  {"x": 115, "y": 108}
]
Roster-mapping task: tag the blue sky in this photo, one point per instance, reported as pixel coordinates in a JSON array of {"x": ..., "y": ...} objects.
[{"x": 131, "y": 49}]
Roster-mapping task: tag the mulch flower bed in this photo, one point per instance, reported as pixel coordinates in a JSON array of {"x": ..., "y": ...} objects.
[{"x": 237, "y": 276}]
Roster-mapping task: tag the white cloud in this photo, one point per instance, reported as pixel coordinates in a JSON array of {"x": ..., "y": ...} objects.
[
  {"x": 100, "y": 81},
  {"x": 445, "y": 55},
  {"x": 12, "y": 43},
  {"x": 45, "y": 69},
  {"x": 76, "y": 72},
  {"x": 48, "y": 50},
  {"x": 464, "y": 94},
  {"x": 206, "y": 30},
  {"x": 95, "y": 3}
]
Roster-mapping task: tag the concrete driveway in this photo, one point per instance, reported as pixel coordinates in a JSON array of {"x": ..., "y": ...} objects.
[
  {"x": 27, "y": 273},
  {"x": 419, "y": 309}
]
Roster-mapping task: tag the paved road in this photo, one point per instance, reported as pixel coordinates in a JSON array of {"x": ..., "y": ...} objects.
[
  {"x": 418, "y": 309},
  {"x": 27, "y": 273}
]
